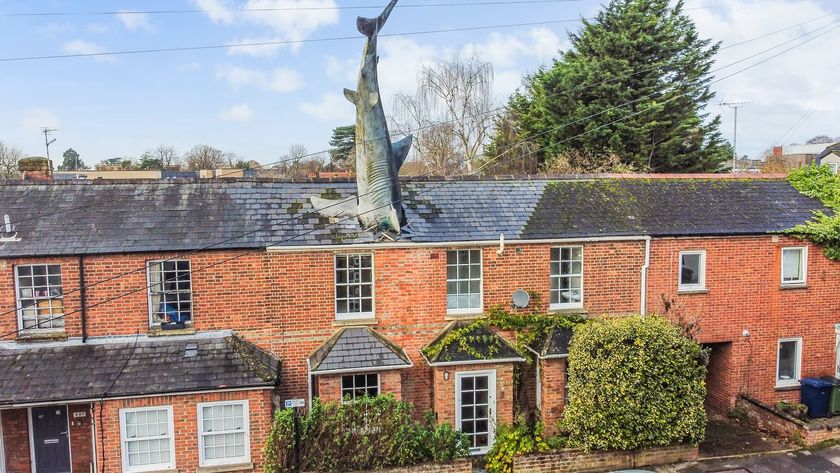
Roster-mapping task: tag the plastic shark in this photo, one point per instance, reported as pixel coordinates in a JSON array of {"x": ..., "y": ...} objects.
[{"x": 378, "y": 161}]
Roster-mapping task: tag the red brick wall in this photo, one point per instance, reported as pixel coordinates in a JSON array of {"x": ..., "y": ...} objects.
[
  {"x": 81, "y": 437},
  {"x": 552, "y": 389},
  {"x": 16, "y": 440},
  {"x": 185, "y": 417},
  {"x": 743, "y": 279},
  {"x": 329, "y": 386}
]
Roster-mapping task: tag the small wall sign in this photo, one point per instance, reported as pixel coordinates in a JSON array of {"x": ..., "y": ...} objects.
[{"x": 291, "y": 403}]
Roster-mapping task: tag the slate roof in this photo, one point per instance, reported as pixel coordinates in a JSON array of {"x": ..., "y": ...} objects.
[
  {"x": 359, "y": 349},
  {"x": 89, "y": 217},
  {"x": 556, "y": 344},
  {"x": 484, "y": 346},
  {"x": 66, "y": 372},
  {"x": 835, "y": 148}
]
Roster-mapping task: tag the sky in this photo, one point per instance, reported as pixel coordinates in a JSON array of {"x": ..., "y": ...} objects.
[{"x": 258, "y": 101}]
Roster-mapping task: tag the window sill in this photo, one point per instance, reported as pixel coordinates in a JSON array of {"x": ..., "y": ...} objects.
[
  {"x": 38, "y": 336},
  {"x": 159, "y": 332},
  {"x": 352, "y": 322},
  {"x": 568, "y": 310},
  {"x": 225, "y": 468},
  {"x": 464, "y": 315},
  {"x": 687, "y": 290},
  {"x": 788, "y": 387},
  {"x": 789, "y": 287}
]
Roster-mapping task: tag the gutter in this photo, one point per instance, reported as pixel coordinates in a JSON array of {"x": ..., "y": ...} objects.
[
  {"x": 643, "y": 298},
  {"x": 356, "y": 246}
]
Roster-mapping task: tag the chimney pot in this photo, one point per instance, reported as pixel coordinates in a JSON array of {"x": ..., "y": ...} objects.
[{"x": 35, "y": 169}]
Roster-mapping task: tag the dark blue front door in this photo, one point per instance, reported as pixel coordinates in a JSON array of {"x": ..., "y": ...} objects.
[{"x": 51, "y": 439}]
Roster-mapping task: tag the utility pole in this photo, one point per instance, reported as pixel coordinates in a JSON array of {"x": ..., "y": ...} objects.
[
  {"x": 734, "y": 106},
  {"x": 47, "y": 141}
]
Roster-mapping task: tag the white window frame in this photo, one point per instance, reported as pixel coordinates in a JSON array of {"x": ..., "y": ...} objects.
[
  {"x": 354, "y": 397},
  {"x": 833, "y": 167},
  {"x": 19, "y": 303},
  {"x": 245, "y": 421},
  {"x": 491, "y": 407},
  {"x": 355, "y": 315},
  {"x": 150, "y": 295},
  {"x": 701, "y": 280},
  {"x": 568, "y": 305},
  {"x": 803, "y": 265},
  {"x": 786, "y": 383},
  {"x": 124, "y": 441},
  {"x": 469, "y": 310}
]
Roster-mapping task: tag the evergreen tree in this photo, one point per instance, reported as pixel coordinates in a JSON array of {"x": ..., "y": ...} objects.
[
  {"x": 343, "y": 152},
  {"x": 643, "y": 53},
  {"x": 72, "y": 161}
]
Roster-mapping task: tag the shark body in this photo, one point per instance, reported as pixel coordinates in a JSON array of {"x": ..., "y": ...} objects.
[{"x": 378, "y": 161}]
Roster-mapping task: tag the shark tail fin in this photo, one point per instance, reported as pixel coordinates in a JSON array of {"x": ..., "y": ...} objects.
[
  {"x": 371, "y": 26},
  {"x": 401, "y": 149}
]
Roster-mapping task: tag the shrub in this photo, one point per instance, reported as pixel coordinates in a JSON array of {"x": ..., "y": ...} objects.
[
  {"x": 793, "y": 409},
  {"x": 366, "y": 434},
  {"x": 824, "y": 228},
  {"x": 634, "y": 383},
  {"x": 521, "y": 438}
]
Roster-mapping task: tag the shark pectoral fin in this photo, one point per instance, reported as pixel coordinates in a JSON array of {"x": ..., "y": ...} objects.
[
  {"x": 334, "y": 208},
  {"x": 370, "y": 26},
  {"x": 401, "y": 149},
  {"x": 373, "y": 99},
  {"x": 352, "y": 96}
]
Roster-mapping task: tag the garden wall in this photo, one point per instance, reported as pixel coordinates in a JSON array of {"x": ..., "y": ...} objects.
[
  {"x": 462, "y": 465},
  {"x": 783, "y": 425},
  {"x": 578, "y": 461}
]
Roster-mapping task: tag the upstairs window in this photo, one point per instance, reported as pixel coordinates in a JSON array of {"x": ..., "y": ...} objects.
[
  {"x": 170, "y": 292},
  {"x": 354, "y": 386},
  {"x": 567, "y": 277},
  {"x": 794, "y": 265},
  {"x": 40, "y": 297},
  {"x": 692, "y": 270},
  {"x": 788, "y": 362},
  {"x": 354, "y": 286},
  {"x": 463, "y": 281}
]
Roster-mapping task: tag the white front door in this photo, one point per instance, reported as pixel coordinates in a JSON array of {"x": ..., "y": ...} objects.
[
  {"x": 837, "y": 350},
  {"x": 475, "y": 408}
]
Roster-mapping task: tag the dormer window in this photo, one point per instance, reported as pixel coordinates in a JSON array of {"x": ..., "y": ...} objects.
[
  {"x": 170, "y": 293},
  {"x": 40, "y": 297}
]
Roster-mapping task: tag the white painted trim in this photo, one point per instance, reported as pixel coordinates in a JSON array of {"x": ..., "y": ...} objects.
[
  {"x": 31, "y": 440},
  {"x": 355, "y": 315},
  {"x": 803, "y": 262},
  {"x": 645, "y": 266},
  {"x": 123, "y": 441},
  {"x": 149, "y": 264},
  {"x": 443, "y": 244},
  {"x": 477, "y": 362},
  {"x": 138, "y": 396},
  {"x": 701, "y": 284},
  {"x": 554, "y": 357},
  {"x": 246, "y": 423},
  {"x": 491, "y": 406},
  {"x": 568, "y": 305},
  {"x": 797, "y": 363},
  {"x": 92, "y": 413},
  {"x": 477, "y": 311},
  {"x": 538, "y": 385}
]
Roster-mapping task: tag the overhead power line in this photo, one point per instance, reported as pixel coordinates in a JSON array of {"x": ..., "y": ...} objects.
[
  {"x": 599, "y": 127},
  {"x": 284, "y": 9},
  {"x": 421, "y": 128}
]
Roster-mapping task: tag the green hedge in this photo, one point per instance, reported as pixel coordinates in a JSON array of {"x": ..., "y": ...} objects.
[
  {"x": 366, "y": 434},
  {"x": 824, "y": 228},
  {"x": 634, "y": 383}
]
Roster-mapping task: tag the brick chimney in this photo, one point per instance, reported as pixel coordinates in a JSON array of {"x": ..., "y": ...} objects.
[
  {"x": 35, "y": 169},
  {"x": 778, "y": 150}
]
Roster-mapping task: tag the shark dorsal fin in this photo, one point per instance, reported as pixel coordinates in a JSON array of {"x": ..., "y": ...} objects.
[
  {"x": 401, "y": 149},
  {"x": 352, "y": 96}
]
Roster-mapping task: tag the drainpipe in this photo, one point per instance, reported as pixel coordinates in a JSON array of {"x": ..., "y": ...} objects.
[
  {"x": 643, "y": 308},
  {"x": 309, "y": 383},
  {"x": 82, "y": 301}
]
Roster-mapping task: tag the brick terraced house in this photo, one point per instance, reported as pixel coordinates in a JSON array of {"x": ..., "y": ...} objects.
[{"x": 155, "y": 326}]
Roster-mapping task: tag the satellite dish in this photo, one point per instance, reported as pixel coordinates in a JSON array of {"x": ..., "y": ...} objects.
[{"x": 521, "y": 299}]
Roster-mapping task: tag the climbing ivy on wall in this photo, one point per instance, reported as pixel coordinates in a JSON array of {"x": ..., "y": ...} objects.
[
  {"x": 528, "y": 328},
  {"x": 824, "y": 229}
]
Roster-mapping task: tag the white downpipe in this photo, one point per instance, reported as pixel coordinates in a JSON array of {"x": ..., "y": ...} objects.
[
  {"x": 539, "y": 385},
  {"x": 308, "y": 384},
  {"x": 643, "y": 308}
]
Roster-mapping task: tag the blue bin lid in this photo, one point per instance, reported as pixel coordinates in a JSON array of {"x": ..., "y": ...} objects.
[{"x": 815, "y": 383}]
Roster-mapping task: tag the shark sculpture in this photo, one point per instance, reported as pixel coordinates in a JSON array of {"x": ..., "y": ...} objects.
[{"x": 378, "y": 203}]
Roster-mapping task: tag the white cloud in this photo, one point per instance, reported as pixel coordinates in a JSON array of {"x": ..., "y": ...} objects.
[
  {"x": 33, "y": 119},
  {"x": 341, "y": 70},
  {"x": 782, "y": 89},
  {"x": 78, "y": 46},
  {"x": 256, "y": 46},
  {"x": 237, "y": 113},
  {"x": 278, "y": 80},
  {"x": 135, "y": 21},
  {"x": 332, "y": 107},
  {"x": 272, "y": 20},
  {"x": 505, "y": 50}
]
